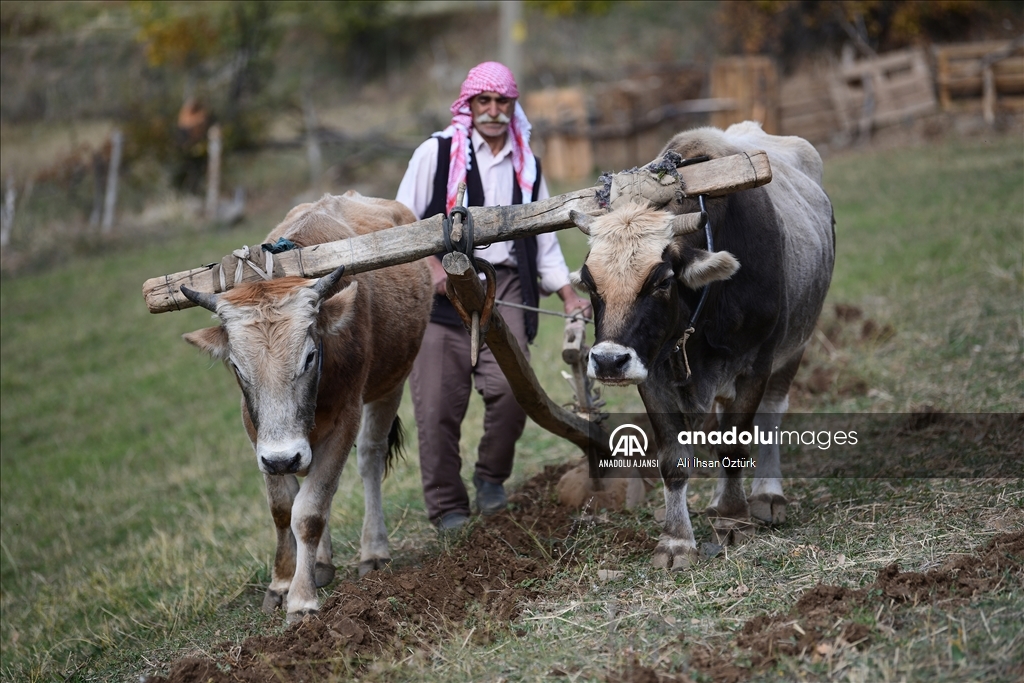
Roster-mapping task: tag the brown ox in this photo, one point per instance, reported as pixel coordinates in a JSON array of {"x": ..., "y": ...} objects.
[{"x": 317, "y": 362}]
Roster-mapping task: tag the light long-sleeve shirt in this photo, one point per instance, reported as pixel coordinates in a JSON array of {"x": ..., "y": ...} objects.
[{"x": 496, "y": 175}]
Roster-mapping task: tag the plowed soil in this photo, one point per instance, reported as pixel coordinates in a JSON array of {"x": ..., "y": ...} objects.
[
  {"x": 496, "y": 567},
  {"x": 816, "y": 623},
  {"x": 491, "y": 568}
]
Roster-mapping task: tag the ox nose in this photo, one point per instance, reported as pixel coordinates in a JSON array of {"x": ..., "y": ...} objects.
[
  {"x": 281, "y": 465},
  {"x": 284, "y": 456},
  {"x": 614, "y": 363},
  {"x": 610, "y": 364}
]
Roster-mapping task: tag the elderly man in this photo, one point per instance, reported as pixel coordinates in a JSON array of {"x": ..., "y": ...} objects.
[{"x": 487, "y": 146}]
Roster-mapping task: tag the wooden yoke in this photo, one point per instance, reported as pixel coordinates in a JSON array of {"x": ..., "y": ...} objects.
[
  {"x": 407, "y": 243},
  {"x": 465, "y": 284}
]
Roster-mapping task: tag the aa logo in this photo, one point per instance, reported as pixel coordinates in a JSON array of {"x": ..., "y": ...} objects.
[{"x": 625, "y": 441}]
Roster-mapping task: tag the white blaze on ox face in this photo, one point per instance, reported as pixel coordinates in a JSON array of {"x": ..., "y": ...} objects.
[
  {"x": 269, "y": 337},
  {"x": 625, "y": 246},
  {"x": 275, "y": 358}
]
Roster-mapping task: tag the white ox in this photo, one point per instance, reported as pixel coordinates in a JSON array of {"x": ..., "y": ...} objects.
[{"x": 318, "y": 361}]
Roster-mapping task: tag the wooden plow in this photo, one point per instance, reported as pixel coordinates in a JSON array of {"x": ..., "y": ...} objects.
[{"x": 658, "y": 183}]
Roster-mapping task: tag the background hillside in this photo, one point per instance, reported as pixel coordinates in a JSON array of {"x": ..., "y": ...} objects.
[{"x": 370, "y": 79}]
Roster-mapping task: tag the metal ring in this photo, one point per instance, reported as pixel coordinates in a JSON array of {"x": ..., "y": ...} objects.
[{"x": 466, "y": 244}]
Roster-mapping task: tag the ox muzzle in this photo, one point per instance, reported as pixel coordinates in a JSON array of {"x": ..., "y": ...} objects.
[
  {"x": 285, "y": 457},
  {"x": 615, "y": 364}
]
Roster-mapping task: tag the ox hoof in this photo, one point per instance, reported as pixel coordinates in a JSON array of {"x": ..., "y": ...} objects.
[
  {"x": 732, "y": 528},
  {"x": 729, "y": 531},
  {"x": 273, "y": 600},
  {"x": 367, "y": 566},
  {"x": 296, "y": 617},
  {"x": 768, "y": 508},
  {"x": 323, "y": 574},
  {"x": 674, "y": 556}
]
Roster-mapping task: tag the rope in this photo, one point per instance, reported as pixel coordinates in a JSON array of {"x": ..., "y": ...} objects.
[
  {"x": 242, "y": 257},
  {"x": 681, "y": 345},
  {"x": 541, "y": 310}
]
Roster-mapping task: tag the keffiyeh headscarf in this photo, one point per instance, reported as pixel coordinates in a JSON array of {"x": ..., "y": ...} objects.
[{"x": 488, "y": 77}]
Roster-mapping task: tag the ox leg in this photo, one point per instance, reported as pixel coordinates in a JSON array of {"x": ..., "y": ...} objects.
[
  {"x": 372, "y": 449},
  {"x": 324, "y": 572},
  {"x": 311, "y": 510},
  {"x": 677, "y": 548},
  {"x": 729, "y": 511},
  {"x": 767, "y": 502},
  {"x": 281, "y": 490}
]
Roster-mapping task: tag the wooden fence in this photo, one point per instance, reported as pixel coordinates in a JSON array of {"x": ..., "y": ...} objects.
[{"x": 988, "y": 76}]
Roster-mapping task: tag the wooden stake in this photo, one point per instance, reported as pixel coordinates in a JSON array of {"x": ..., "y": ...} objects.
[
  {"x": 7, "y": 213},
  {"x": 988, "y": 95},
  {"x": 213, "y": 151},
  {"x": 110, "y": 202},
  {"x": 313, "y": 154}
]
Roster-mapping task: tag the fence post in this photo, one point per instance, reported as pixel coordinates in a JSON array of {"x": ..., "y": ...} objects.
[
  {"x": 313, "y": 153},
  {"x": 512, "y": 28},
  {"x": 116, "y": 142},
  {"x": 213, "y": 150},
  {"x": 988, "y": 94},
  {"x": 98, "y": 190},
  {"x": 7, "y": 213}
]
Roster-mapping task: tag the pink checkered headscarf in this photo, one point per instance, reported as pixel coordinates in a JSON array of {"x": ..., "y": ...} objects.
[{"x": 488, "y": 77}]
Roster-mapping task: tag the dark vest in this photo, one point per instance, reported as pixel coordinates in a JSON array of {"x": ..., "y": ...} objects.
[{"x": 525, "y": 249}]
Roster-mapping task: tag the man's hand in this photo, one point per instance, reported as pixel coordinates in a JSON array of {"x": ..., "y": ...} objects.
[
  {"x": 573, "y": 302},
  {"x": 438, "y": 276}
]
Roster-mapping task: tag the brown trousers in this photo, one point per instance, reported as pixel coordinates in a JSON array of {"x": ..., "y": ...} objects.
[{"x": 441, "y": 381}]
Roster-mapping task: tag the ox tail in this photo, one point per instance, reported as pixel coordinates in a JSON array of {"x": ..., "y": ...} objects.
[{"x": 396, "y": 445}]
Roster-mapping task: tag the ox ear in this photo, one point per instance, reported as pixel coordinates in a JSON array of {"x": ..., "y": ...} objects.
[
  {"x": 212, "y": 340},
  {"x": 707, "y": 267},
  {"x": 338, "y": 311}
]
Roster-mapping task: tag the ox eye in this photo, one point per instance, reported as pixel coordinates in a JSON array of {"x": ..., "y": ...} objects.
[
  {"x": 238, "y": 373},
  {"x": 310, "y": 357}
]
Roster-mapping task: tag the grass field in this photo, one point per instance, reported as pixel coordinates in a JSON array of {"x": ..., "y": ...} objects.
[{"x": 134, "y": 528}]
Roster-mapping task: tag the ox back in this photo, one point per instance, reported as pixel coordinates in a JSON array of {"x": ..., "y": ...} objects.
[
  {"x": 321, "y": 365},
  {"x": 767, "y": 279}
]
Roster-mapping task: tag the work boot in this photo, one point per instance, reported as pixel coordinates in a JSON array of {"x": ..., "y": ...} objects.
[
  {"x": 451, "y": 522},
  {"x": 490, "y": 498}
]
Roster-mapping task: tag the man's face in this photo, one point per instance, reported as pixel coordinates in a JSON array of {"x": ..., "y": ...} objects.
[{"x": 491, "y": 114}]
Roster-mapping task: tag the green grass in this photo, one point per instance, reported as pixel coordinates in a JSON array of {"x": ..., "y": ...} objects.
[
  {"x": 134, "y": 527},
  {"x": 931, "y": 242}
]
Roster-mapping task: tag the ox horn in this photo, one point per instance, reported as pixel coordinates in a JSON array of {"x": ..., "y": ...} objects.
[
  {"x": 685, "y": 223},
  {"x": 327, "y": 282},
  {"x": 582, "y": 221},
  {"x": 204, "y": 299}
]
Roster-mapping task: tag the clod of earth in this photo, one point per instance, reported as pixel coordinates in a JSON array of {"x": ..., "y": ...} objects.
[{"x": 811, "y": 624}]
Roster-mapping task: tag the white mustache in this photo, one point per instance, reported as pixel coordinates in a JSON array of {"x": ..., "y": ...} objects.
[{"x": 487, "y": 118}]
